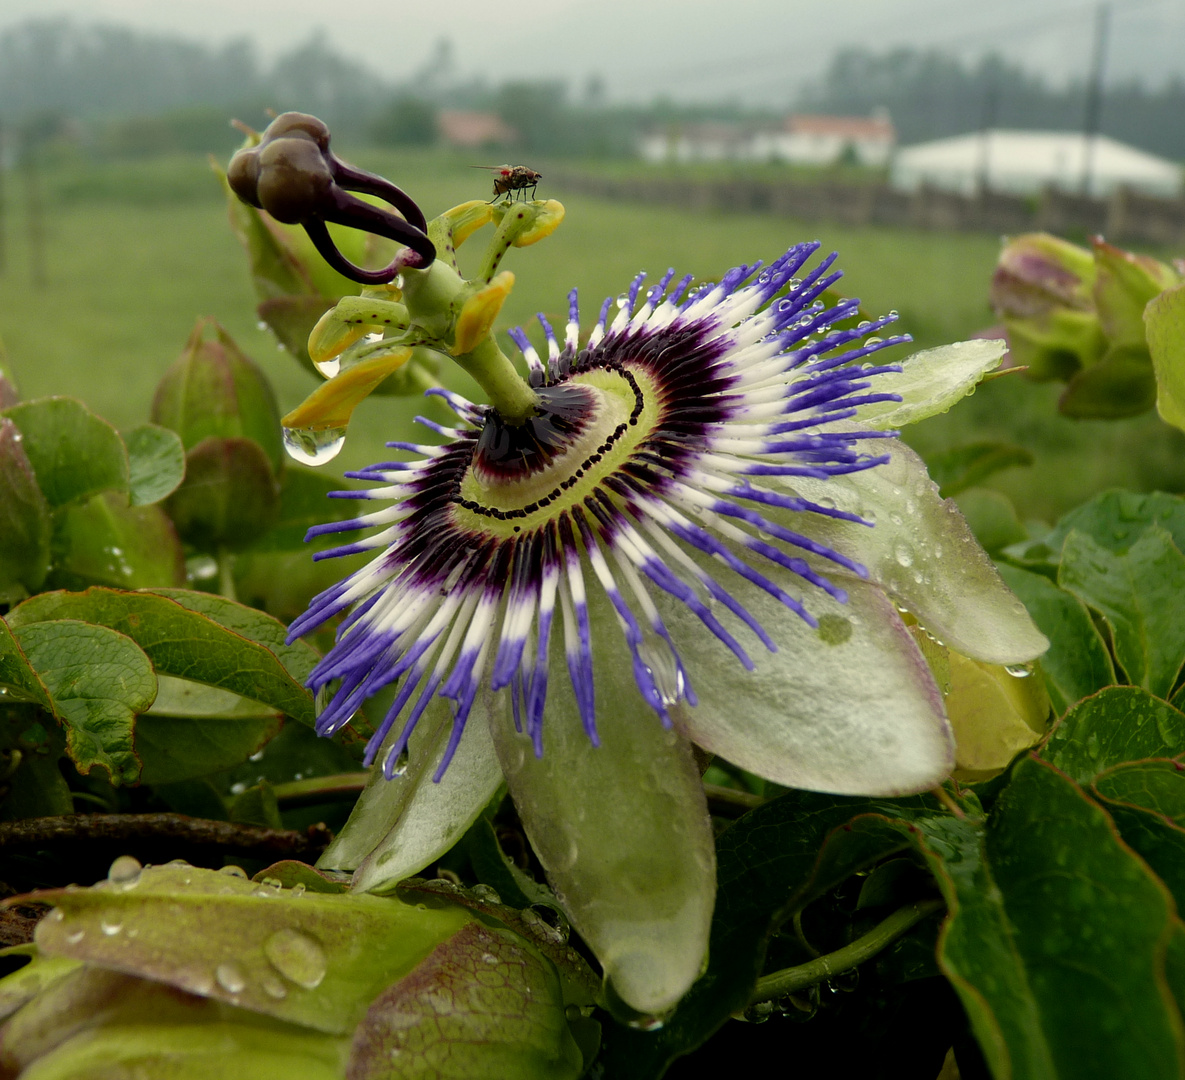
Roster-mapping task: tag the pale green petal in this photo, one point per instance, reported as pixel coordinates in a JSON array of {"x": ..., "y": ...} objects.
[
  {"x": 922, "y": 552},
  {"x": 930, "y": 382},
  {"x": 850, "y": 708},
  {"x": 400, "y": 826},
  {"x": 621, "y": 829}
]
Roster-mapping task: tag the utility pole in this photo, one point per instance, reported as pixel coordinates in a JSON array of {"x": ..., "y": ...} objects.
[
  {"x": 1094, "y": 95},
  {"x": 991, "y": 105}
]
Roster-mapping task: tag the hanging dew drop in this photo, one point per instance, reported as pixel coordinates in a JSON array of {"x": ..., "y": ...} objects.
[
  {"x": 1018, "y": 671},
  {"x": 401, "y": 764},
  {"x": 314, "y": 447},
  {"x": 328, "y": 368}
]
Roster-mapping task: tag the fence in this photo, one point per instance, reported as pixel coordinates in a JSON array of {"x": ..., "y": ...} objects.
[{"x": 1125, "y": 217}]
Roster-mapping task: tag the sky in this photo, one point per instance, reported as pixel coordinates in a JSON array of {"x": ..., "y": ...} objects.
[{"x": 753, "y": 51}]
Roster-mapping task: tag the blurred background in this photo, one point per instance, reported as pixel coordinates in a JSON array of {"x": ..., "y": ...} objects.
[{"x": 909, "y": 135}]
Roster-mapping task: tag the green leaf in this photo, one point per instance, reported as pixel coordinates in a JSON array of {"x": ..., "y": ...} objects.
[
  {"x": 156, "y": 461},
  {"x": 492, "y": 867},
  {"x": 194, "y": 730},
  {"x": 1089, "y": 924},
  {"x": 1139, "y": 594},
  {"x": 19, "y": 683},
  {"x": 1157, "y": 785},
  {"x": 104, "y": 541},
  {"x": 99, "y": 680},
  {"x": 182, "y": 642},
  {"x": 91, "y": 1023},
  {"x": 961, "y": 467},
  {"x": 24, "y": 984},
  {"x": 1164, "y": 321},
  {"x": 1123, "y": 723},
  {"x": 1146, "y": 800},
  {"x": 930, "y": 382},
  {"x": 1077, "y": 663},
  {"x": 74, "y": 453},
  {"x": 37, "y": 788},
  {"x": 315, "y": 959},
  {"x": 24, "y": 519},
  {"x": 298, "y": 659},
  {"x": 514, "y": 1028},
  {"x": 1121, "y": 384},
  {"x": 1115, "y": 520}
]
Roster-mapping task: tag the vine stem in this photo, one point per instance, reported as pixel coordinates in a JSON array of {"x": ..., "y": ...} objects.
[{"x": 789, "y": 980}]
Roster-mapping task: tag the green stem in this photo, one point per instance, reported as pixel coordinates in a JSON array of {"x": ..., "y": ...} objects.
[
  {"x": 226, "y": 574},
  {"x": 789, "y": 980},
  {"x": 507, "y": 390}
]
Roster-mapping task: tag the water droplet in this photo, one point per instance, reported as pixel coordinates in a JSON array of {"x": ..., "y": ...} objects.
[
  {"x": 233, "y": 871},
  {"x": 328, "y": 368},
  {"x": 487, "y": 893},
  {"x": 75, "y": 937},
  {"x": 125, "y": 872},
  {"x": 268, "y": 887},
  {"x": 874, "y": 340},
  {"x": 297, "y": 957},
  {"x": 257, "y": 756},
  {"x": 261, "y": 325},
  {"x": 660, "y": 661},
  {"x": 489, "y": 958},
  {"x": 298, "y": 889},
  {"x": 401, "y": 764},
  {"x": 176, "y": 863},
  {"x": 110, "y": 925},
  {"x": 903, "y": 555},
  {"x": 548, "y": 923},
  {"x": 57, "y": 915},
  {"x": 230, "y": 977},
  {"x": 238, "y": 788},
  {"x": 273, "y": 987},
  {"x": 623, "y": 301},
  {"x": 313, "y": 447},
  {"x": 1019, "y": 671}
]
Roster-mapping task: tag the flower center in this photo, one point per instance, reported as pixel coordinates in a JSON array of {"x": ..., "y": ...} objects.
[{"x": 584, "y": 428}]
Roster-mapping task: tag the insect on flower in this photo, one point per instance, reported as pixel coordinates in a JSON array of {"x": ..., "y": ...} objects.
[{"x": 511, "y": 178}]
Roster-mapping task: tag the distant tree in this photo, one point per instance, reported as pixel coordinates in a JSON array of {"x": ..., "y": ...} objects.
[
  {"x": 930, "y": 95},
  {"x": 406, "y": 121}
]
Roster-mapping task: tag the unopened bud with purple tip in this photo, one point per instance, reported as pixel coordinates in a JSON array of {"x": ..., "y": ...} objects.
[{"x": 293, "y": 175}]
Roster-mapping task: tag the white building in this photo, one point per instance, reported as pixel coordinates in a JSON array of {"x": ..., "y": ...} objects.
[
  {"x": 825, "y": 140},
  {"x": 1024, "y": 162},
  {"x": 801, "y": 139}
]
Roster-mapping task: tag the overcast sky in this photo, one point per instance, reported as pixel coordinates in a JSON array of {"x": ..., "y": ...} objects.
[{"x": 752, "y": 50}]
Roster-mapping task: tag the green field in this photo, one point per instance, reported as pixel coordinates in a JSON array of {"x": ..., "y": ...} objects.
[{"x": 136, "y": 252}]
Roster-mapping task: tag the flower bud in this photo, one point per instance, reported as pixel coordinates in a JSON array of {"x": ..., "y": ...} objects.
[
  {"x": 222, "y": 406},
  {"x": 213, "y": 389},
  {"x": 1124, "y": 284},
  {"x": 229, "y": 497},
  {"x": 1042, "y": 288}
]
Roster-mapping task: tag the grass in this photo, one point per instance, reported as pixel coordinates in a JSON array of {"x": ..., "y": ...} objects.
[{"x": 136, "y": 254}]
